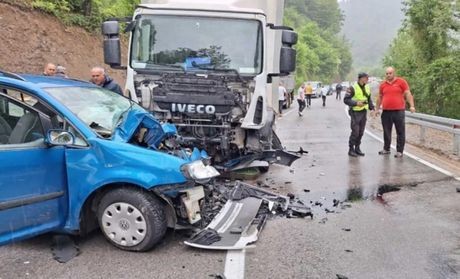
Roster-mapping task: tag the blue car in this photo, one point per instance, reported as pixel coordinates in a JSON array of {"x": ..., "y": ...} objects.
[{"x": 75, "y": 157}]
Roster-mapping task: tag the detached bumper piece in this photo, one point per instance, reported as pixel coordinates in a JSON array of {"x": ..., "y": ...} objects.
[{"x": 243, "y": 216}]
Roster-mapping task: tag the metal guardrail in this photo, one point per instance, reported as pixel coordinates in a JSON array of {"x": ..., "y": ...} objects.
[{"x": 439, "y": 123}]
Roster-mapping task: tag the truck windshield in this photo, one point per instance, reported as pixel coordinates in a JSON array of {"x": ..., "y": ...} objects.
[
  {"x": 191, "y": 43},
  {"x": 98, "y": 108}
]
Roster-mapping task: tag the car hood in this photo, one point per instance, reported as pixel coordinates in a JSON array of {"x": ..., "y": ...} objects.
[
  {"x": 137, "y": 119},
  {"x": 155, "y": 133}
]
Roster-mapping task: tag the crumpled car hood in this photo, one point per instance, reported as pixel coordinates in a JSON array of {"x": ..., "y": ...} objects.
[
  {"x": 155, "y": 134},
  {"x": 136, "y": 119}
]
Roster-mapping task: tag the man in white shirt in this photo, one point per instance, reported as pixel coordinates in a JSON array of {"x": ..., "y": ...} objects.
[
  {"x": 323, "y": 95},
  {"x": 281, "y": 97},
  {"x": 301, "y": 98}
]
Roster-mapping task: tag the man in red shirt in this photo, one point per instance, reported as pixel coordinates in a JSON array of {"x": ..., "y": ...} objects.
[{"x": 393, "y": 94}]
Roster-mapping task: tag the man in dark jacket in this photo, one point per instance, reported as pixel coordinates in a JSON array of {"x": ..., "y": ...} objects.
[
  {"x": 358, "y": 98},
  {"x": 99, "y": 77}
]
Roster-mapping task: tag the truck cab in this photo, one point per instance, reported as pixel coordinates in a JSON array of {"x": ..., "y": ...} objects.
[{"x": 211, "y": 68}]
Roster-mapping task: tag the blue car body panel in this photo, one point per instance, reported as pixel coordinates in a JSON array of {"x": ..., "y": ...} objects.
[{"x": 55, "y": 181}]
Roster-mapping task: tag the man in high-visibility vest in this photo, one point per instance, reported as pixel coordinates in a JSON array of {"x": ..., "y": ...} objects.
[{"x": 358, "y": 98}]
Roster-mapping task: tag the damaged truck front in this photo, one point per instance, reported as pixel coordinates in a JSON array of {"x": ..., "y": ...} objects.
[{"x": 212, "y": 68}]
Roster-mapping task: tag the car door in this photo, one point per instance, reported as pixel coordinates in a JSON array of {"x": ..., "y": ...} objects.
[{"x": 33, "y": 195}]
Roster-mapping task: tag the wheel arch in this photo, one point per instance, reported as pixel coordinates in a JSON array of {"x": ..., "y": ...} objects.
[{"x": 88, "y": 213}]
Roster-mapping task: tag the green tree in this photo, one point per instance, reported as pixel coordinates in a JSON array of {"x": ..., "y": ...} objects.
[
  {"x": 426, "y": 52},
  {"x": 321, "y": 53}
]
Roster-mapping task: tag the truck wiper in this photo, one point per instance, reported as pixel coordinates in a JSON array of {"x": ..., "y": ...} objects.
[
  {"x": 178, "y": 66},
  {"x": 219, "y": 70}
]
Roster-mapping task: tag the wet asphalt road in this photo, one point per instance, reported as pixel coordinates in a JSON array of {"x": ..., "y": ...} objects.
[{"x": 410, "y": 233}]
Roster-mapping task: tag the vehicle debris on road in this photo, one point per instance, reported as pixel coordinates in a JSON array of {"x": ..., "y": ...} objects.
[{"x": 243, "y": 214}]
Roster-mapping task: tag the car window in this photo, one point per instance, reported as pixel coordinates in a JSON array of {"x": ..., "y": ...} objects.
[
  {"x": 19, "y": 124},
  {"x": 22, "y": 97},
  {"x": 79, "y": 140}
]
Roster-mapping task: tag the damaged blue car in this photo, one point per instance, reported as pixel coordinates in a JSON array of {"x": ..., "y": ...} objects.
[{"x": 75, "y": 157}]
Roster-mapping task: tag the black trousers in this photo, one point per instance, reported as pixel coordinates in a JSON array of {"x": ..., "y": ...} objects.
[
  {"x": 324, "y": 100},
  {"x": 280, "y": 103},
  {"x": 357, "y": 125},
  {"x": 338, "y": 95},
  {"x": 301, "y": 104},
  {"x": 308, "y": 98},
  {"x": 396, "y": 117}
]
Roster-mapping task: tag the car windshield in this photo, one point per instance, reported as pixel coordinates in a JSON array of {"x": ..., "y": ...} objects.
[
  {"x": 197, "y": 43},
  {"x": 98, "y": 108}
]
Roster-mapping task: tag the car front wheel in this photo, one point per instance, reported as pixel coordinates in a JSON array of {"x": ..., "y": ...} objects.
[{"x": 131, "y": 219}]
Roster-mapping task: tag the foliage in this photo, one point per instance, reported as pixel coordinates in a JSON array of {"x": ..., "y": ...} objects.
[
  {"x": 321, "y": 53},
  {"x": 370, "y": 26},
  {"x": 426, "y": 52},
  {"x": 86, "y": 13}
]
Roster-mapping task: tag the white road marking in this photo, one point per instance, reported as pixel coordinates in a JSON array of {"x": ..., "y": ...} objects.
[
  {"x": 234, "y": 264},
  {"x": 426, "y": 163},
  {"x": 410, "y": 155}
]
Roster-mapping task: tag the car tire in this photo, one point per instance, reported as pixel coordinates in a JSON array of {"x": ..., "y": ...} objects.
[{"x": 131, "y": 220}]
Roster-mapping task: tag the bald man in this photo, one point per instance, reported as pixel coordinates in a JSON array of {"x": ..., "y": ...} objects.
[
  {"x": 393, "y": 94},
  {"x": 49, "y": 70},
  {"x": 99, "y": 77}
]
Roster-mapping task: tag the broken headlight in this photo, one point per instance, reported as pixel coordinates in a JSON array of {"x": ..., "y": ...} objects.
[{"x": 197, "y": 171}]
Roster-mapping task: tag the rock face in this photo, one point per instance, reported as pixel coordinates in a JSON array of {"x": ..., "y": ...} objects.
[{"x": 29, "y": 39}]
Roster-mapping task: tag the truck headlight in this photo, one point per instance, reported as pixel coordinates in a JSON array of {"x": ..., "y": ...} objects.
[{"x": 197, "y": 171}]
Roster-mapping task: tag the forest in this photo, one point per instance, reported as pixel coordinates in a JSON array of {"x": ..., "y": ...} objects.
[{"x": 425, "y": 50}]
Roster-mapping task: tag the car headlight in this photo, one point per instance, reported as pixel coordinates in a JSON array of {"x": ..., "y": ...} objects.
[{"x": 197, "y": 171}]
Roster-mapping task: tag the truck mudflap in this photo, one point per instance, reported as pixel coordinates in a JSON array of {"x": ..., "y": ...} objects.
[{"x": 242, "y": 218}]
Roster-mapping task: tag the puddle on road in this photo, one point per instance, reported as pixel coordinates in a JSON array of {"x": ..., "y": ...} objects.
[{"x": 325, "y": 202}]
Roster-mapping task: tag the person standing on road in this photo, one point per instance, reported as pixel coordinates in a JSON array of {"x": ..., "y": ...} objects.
[
  {"x": 308, "y": 93},
  {"x": 323, "y": 95},
  {"x": 99, "y": 77},
  {"x": 301, "y": 98},
  {"x": 358, "y": 98},
  {"x": 393, "y": 94},
  {"x": 281, "y": 97},
  {"x": 49, "y": 69},
  {"x": 338, "y": 91}
]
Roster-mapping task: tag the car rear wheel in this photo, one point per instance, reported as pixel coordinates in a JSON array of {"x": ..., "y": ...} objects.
[{"x": 132, "y": 220}]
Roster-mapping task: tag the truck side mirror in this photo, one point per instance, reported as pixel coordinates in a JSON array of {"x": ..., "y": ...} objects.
[
  {"x": 289, "y": 37},
  {"x": 112, "y": 49},
  {"x": 288, "y": 54},
  {"x": 287, "y": 60}
]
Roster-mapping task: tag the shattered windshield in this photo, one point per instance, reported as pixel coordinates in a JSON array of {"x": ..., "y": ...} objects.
[
  {"x": 99, "y": 108},
  {"x": 197, "y": 43}
]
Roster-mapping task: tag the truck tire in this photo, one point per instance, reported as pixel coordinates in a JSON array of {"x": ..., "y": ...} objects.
[{"x": 131, "y": 220}]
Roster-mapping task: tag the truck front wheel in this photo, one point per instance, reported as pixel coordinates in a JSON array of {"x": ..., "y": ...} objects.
[{"x": 132, "y": 220}]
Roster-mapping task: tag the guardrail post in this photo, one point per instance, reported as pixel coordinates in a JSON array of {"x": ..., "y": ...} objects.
[
  {"x": 456, "y": 140},
  {"x": 422, "y": 134}
]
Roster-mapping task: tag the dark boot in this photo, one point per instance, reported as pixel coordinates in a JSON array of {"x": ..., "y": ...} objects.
[
  {"x": 352, "y": 152},
  {"x": 358, "y": 151}
]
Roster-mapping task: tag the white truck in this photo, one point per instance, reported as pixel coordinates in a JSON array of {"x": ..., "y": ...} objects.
[{"x": 212, "y": 68}]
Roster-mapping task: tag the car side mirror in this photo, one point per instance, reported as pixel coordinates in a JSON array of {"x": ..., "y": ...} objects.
[{"x": 60, "y": 137}]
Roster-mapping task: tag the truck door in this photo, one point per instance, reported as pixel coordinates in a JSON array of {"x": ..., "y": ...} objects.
[{"x": 33, "y": 196}]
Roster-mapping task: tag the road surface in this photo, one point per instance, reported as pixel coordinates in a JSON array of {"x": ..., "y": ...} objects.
[{"x": 410, "y": 233}]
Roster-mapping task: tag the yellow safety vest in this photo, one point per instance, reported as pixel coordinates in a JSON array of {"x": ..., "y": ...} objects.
[{"x": 359, "y": 96}]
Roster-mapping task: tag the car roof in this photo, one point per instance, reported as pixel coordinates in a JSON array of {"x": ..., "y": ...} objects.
[{"x": 47, "y": 81}]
